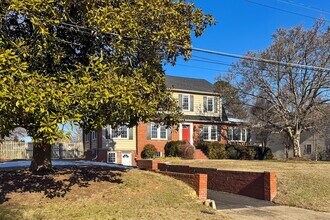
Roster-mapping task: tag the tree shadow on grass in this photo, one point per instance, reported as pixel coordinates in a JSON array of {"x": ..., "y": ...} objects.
[{"x": 57, "y": 184}]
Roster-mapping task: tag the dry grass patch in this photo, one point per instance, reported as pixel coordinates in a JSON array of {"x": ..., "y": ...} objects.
[
  {"x": 302, "y": 184},
  {"x": 94, "y": 193}
]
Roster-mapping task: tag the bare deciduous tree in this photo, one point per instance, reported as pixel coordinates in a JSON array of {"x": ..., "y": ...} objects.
[{"x": 295, "y": 94}]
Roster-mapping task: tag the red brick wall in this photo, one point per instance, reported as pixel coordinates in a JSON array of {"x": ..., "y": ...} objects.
[
  {"x": 197, "y": 181},
  {"x": 141, "y": 139},
  {"x": 270, "y": 186},
  {"x": 253, "y": 184},
  {"x": 147, "y": 164}
]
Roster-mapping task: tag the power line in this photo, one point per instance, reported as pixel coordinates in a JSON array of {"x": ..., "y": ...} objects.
[
  {"x": 211, "y": 62},
  {"x": 303, "y": 6},
  {"x": 283, "y": 10},
  {"x": 220, "y": 53},
  {"x": 260, "y": 59},
  {"x": 202, "y": 68}
]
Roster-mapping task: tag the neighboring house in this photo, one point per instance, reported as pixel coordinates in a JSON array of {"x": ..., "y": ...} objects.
[
  {"x": 203, "y": 121},
  {"x": 313, "y": 145}
]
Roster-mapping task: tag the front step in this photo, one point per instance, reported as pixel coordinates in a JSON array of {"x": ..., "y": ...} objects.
[{"x": 199, "y": 155}]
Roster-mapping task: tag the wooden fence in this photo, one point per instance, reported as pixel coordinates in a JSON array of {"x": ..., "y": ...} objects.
[
  {"x": 10, "y": 150},
  {"x": 13, "y": 150}
]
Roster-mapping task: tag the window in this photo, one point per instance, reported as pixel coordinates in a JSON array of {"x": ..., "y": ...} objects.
[
  {"x": 87, "y": 137},
  {"x": 158, "y": 132},
  {"x": 120, "y": 132},
  {"x": 308, "y": 149},
  {"x": 244, "y": 132},
  {"x": 210, "y": 104},
  {"x": 210, "y": 133},
  {"x": 185, "y": 102},
  {"x": 237, "y": 134},
  {"x": 94, "y": 135},
  {"x": 230, "y": 134},
  {"x": 112, "y": 157},
  {"x": 159, "y": 154}
]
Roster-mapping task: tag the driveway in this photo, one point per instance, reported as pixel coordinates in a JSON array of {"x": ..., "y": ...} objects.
[
  {"x": 12, "y": 165},
  {"x": 242, "y": 207}
]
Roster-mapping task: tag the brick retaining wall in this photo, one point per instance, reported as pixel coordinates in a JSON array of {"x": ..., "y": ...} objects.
[
  {"x": 197, "y": 181},
  {"x": 259, "y": 185}
]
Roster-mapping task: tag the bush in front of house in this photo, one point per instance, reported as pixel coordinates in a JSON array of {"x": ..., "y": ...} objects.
[
  {"x": 149, "y": 151},
  {"x": 186, "y": 151},
  {"x": 213, "y": 150},
  {"x": 172, "y": 148},
  {"x": 232, "y": 152}
]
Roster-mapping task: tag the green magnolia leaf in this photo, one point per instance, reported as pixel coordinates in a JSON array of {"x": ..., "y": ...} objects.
[{"x": 90, "y": 62}]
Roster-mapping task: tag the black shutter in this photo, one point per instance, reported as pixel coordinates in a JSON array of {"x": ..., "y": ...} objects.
[
  {"x": 191, "y": 103},
  {"x": 169, "y": 134},
  {"x": 219, "y": 132},
  {"x": 130, "y": 133},
  {"x": 216, "y": 104},
  {"x": 149, "y": 131},
  {"x": 180, "y": 101},
  {"x": 205, "y": 103},
  {"x": 201, "y": 132}
]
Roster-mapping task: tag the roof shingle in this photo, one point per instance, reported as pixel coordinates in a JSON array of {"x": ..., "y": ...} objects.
[{"x": 191, "y": 84}]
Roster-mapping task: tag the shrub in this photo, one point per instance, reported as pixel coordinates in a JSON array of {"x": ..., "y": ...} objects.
[
  {"x": 264, "y": 153},
  {"x": 217, "y": 151},
  {"x": 149, "y": 151},
  {"x": 186, "y": 151},
  {"x": 213, "y": 150},
  {"x": 172, "y": 148},
  {"x": 247, "y": 152},
  {"x": 204, "y": 147},
  {"x": 232, "y": 152}
]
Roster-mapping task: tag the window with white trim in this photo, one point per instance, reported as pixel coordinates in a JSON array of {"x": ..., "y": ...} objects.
[
  {"x": 159, "y": 154},
  {"x": 186, "y": 102},
  {"x": 237, "y": 134},
  {"x": 87, "y": 137},
  {"x": 210, "y": 133},
  {"x": 120, "y": 132},
  {"x": 210, "y": 104},
  {"x": 94, "y": 135},
  {"x": 308, "y": 149},
  {"x": 158, "y": 132},
  {"x": 112, "y": 157}
]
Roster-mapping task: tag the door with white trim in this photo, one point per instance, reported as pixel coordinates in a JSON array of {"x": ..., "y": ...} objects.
[{"x": 126, "y": 159}]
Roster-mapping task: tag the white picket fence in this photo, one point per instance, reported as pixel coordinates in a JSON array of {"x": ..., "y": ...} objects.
[{"x": 10, "y": 150}]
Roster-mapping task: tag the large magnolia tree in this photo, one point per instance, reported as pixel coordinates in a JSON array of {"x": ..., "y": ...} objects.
[
  {"x": 293, "y": 96},
  {"x": 90, "y": 62}
]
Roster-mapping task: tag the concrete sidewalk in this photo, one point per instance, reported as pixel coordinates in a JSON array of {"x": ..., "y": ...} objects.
[{"x": 242, "y": 207}]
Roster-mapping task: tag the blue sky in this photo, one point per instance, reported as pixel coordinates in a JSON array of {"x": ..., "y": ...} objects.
[{"x": 243, "y": 25}]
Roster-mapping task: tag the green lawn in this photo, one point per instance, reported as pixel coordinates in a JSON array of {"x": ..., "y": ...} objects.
[
  {"x": 302, "y": 184},
  {"x": 89, "y": 194}
]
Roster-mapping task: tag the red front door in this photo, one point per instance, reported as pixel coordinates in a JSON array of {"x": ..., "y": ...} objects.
[{"x": 186, "y": 133}]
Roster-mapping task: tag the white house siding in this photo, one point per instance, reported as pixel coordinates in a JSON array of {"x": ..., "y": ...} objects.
[
  {"x": 199, "y": 104},
  {"x": 120, "y": 144}
]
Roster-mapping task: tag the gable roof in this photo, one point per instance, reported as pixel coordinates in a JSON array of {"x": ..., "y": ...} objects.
[{"x": 190, "y": 84}]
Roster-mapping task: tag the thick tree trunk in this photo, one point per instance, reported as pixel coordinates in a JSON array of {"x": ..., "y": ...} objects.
[
  {"x": 41, "y": 162},
  {"x": 296, "y": 145}
]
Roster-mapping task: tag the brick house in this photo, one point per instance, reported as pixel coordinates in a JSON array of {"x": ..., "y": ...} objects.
[{"x": 203, "y": 120}]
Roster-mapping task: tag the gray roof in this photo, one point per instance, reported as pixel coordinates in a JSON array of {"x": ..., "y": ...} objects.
[{"x": 191, "y": 84}]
